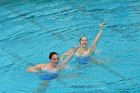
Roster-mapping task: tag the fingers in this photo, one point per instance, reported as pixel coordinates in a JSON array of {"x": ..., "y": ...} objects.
[
  {"x": 75, "y": 49},
  {"x": 103, "y": 23}
]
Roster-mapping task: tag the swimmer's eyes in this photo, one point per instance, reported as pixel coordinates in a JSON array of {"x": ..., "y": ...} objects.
[
  {"x": 83, "y": 40},
  {"x": 55, "y": 58}
]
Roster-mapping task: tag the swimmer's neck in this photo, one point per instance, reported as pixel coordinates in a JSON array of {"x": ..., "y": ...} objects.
[
  {"x": 51, "y": 64},
  {"x": 82, "y": 48},
  {"x": 82, "y": 51}
]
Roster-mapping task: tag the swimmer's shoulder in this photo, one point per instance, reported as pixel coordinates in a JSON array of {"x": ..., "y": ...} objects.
[
  {"x": 42, "y": 66},
  {"x": 79, "y": 53}
]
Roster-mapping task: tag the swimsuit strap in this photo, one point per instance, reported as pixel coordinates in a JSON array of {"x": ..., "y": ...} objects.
[
  {"x": 85, "y": 53},
  {"x": 45, "y": 68},
  {"x": 76, "y": 53}
]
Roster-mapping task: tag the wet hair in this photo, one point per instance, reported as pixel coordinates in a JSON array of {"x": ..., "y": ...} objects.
[
  {"x": 51, "y": 54},
  {"x": 81, "y": 38}
]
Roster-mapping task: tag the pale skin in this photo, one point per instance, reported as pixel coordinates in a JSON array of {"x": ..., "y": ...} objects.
[
  {"x": 52, "y": 65},
  {"x": 82, "y": 49}
]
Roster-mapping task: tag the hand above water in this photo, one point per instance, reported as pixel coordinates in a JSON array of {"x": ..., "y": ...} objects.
[{"x": 102, "y": 25}]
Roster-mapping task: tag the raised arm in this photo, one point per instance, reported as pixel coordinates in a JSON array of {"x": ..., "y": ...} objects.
[
  {"x": 95, "y": 41},
  {"x": 66, "y": 54},
  {"x": 63, "y": 63},
  {"x": 36, "y": 68}
]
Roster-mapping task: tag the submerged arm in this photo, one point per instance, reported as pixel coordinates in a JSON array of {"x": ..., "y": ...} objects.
[{"x": 95, "y": 41}]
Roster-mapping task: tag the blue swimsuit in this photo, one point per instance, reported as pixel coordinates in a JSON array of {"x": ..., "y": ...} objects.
[
  {"x": 82, "y": 59},
  {"x": 47, "y": 75}
]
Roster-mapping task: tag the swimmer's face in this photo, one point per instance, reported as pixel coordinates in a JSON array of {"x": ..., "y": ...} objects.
[
  {"x": 83, "y": 42},
  {"x": 55, "y": 59}
]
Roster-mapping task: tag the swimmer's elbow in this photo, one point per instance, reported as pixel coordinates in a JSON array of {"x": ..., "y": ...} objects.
[
  {"x": 28, "y": 70},
  {"x": 31, "y": 70}
]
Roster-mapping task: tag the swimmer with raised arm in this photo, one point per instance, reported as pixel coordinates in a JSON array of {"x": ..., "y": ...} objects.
[
  {"x": 82, "y": 49},
  {"x": 52, "y": 66},
  {"x": 47, "y": 72}
]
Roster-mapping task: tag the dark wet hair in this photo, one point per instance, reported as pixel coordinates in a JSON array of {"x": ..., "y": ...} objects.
[
  {"x": 81, "y": 38},
  {"x": 51, "y": 54}
]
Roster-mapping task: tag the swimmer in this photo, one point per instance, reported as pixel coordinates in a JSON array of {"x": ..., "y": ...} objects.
[
  {"x": 47, "y": 72},
  {"x": 82, "y": 50},
  {"x": 52, "y": 67}
]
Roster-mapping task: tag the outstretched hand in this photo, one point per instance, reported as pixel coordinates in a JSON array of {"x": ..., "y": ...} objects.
[
  {"x": 75, "y": 49},
  {"x": 102, "y": 25}
]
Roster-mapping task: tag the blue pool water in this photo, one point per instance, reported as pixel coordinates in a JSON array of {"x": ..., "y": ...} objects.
[{"x": 31, "y": 29}]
